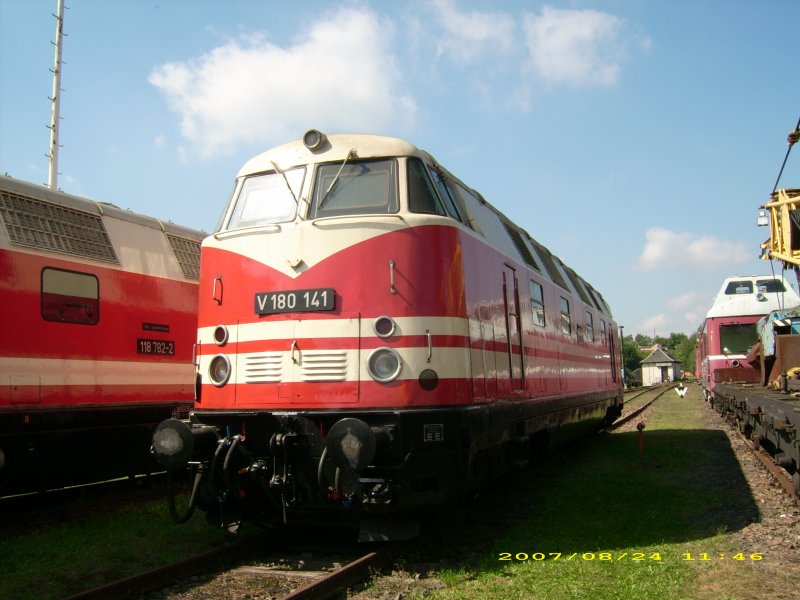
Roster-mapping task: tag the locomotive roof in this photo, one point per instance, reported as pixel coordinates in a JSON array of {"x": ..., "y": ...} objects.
[
  {"x": 740, "y": 295},
  {"x": 43, "y": 193},
  {"x": 338, "y": 146}
]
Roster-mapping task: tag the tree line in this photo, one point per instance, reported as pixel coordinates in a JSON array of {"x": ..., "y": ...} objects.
[{"x": 678, "y": 345}]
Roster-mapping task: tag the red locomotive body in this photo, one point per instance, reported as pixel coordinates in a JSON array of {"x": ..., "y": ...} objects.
[
  {"x": 375, "y": 337},
  {"x": 99, "y": 320}
]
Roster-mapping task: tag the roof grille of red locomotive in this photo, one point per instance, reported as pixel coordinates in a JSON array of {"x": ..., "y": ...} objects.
[
  {"x": 187, "y": 253},
  {"x": 38, "y": 224}
]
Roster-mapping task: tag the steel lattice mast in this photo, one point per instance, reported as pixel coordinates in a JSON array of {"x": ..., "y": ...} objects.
[{"x": 56, "y": 98}]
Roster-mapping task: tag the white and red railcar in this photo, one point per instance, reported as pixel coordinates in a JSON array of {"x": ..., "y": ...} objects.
[
  {"x": 374, "y": 336},
  {"x": 729, "y": 329},
  {"x": 98, "y": 320}
]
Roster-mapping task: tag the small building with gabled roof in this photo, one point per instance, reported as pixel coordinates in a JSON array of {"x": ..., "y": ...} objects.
[{"x": 660, "y": 367}]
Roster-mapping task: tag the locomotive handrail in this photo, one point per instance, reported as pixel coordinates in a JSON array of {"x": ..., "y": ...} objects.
[
  {"x": 255, "y": 230},
  {"x": 346, "y": 219}
]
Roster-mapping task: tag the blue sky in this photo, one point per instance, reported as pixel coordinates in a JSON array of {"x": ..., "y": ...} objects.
[{"x": 635, "y": 139}]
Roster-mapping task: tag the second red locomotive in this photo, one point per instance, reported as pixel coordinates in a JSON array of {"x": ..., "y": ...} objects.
[
  {"x": 375, "y": 337},
  {"x": 98, "y": 322}
]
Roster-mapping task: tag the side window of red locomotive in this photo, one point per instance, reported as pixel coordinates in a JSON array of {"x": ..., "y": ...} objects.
[
  {"x": 537, "y": 304},
  {"x": 70, "y": 297},
  {"x": 422, "y": 196},
  {"x": 589, "y": 326},
  {"x": 449, "y": 202},
  {"x": 566, "y": 320},
  {"x": 603, "y": 334}
]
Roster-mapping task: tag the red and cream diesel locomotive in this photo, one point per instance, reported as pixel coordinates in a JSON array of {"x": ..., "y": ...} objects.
[
  {"x": 729, "y": 329},
  {"x": 374, "y": 337},
  {"x": 98, "y": 320}
]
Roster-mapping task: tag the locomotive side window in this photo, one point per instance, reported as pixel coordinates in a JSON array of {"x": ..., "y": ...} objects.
[
  {"x": 356, "y": 188},
  {"x": 589, "y": 326},
  {"x": 537, "y": 304},
  {"x": 449, "y": 201},
  {"x": 603, "y": 333},
  {"x": 267, "y": 198},
  {"x": 566, "y": 321},
  {"x": 422, "y": 196},
  {"x": 70, "y": 297}
]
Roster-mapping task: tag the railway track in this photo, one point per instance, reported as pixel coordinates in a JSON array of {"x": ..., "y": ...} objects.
[
  {"x": 643, "y": 400},
  {"x": 43, "y": 509},
  {"x": 286, "y": 581}
]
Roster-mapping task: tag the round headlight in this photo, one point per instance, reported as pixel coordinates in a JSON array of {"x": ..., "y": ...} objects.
[
  {"x": 220, "y": 335},
  {"x": 313, "y": 139},
  {"x": 384, "y": 364},
  {"x": 219, "y": 371},
  {"x": 383, "y": 327}
]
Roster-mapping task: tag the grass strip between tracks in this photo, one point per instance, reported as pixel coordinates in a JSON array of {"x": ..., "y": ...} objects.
[
  {"x": 58, "y": 561},
  {"x": 600, "y": 521}
]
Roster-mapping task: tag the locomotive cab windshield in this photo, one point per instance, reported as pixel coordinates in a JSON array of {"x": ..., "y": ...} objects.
[{"x": 267, "y": 198}]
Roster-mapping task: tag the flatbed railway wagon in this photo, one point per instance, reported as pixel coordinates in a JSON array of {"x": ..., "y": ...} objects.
[
  {"x": 98, "y": 324},
  {"x": 768, "y": 410},
  {"x": 374, "y": 338}
]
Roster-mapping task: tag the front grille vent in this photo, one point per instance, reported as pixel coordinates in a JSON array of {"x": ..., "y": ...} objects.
[
  {"x": 324, "y": 365},
  {"x": 265, "y": 367}
]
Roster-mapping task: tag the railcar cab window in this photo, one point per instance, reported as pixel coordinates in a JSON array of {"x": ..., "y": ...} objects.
[
  {"x": 566, "y": 321},
  {"x": 537, "y": 304},
  {"x": 422, "y": 196},
  {"x": 737, "y": 338},
  {"x": 268, "y": 198},
  {"x": 739, "y": 287},
  {"x": 769, "y": 286},
  {"x": 603, "y": 334},
  {"x": 70, "y": 297},
  {"x": 589, "y": 326},
  {"x": 366, "y": 187}
]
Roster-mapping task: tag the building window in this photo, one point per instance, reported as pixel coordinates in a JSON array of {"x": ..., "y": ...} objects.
[
  {"x": 566, "y": 321},
  {"x": 70, "y": 297},
  {"x": 537, "y": 304},
  {"x": 589, "y": 326}
]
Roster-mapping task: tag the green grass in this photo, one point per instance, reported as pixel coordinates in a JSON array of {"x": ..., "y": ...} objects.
[
  {"x": 600, "y": 496},
  {"x": 66, "y": 559},
  {"x": 685, "y": 494}
]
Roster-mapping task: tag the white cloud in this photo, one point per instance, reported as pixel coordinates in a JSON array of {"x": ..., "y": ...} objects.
[
  {"x": 581, "y": 47},
  {"x": 340, "y": 74},
  {"x": 665, "y": 249},
  {"x": 468, "y": 36},
  {"x": 656, "y": 322},
  {"x": 683, "y": 301}
]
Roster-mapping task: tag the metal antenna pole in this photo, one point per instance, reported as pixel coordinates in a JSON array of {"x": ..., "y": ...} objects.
[{"x": 56, "y": 98}]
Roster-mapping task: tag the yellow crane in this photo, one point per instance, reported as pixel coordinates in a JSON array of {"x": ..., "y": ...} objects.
[{"x": 782, "y": 214}]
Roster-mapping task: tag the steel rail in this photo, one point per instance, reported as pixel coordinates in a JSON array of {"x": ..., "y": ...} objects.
[
  {"x": 622, "y": 420},
  {"x": 140, "y": 583},
  {"x": 335, "y": 581}
]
